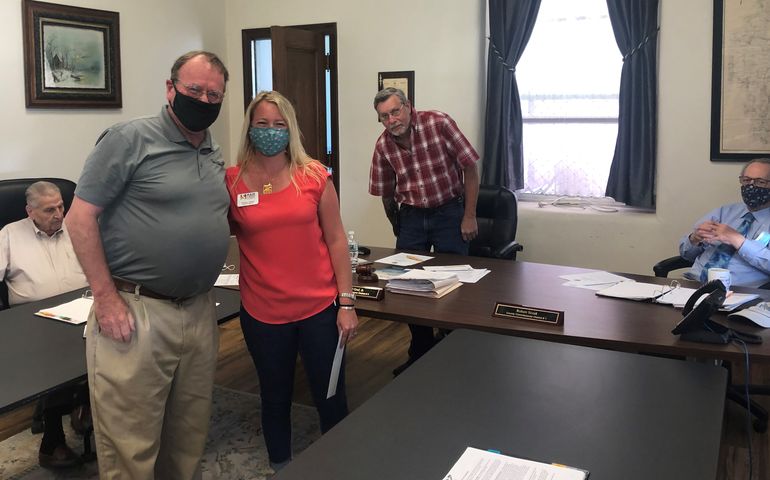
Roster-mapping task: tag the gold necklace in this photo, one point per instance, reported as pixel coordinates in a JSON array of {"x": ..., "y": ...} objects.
[{"x": 267, "y": 188}]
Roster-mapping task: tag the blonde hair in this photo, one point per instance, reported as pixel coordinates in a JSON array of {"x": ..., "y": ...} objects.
[{"x": 299, "y": 161}]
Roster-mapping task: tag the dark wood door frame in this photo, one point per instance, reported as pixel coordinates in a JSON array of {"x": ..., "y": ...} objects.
[{"x": 251, "y": 34}]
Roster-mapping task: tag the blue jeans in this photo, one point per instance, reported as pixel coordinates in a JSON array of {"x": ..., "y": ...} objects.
[
  {"x": 422, "y": 229},
  {"x": 437, "y": 228},
  {"x": 274, "y": 350}
]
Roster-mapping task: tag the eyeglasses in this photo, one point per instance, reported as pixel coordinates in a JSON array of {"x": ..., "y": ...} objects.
[
  {"x": 383, "y": 117},
  {"x": 195, "y": 91},
  {"x": 757, "y": 182}
]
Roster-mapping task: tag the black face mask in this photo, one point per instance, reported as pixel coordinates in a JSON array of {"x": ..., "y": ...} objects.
[
  {"x": 755, "y": 197},
  {"x": 195, "y": 115}
]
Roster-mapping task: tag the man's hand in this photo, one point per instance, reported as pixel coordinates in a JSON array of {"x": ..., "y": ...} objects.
[
  {"x": 469, "y": 228},
  {"x": 713, "y": 232},
  {"x": 115, "y": 321},
  {"x": 391, "y": 211}
]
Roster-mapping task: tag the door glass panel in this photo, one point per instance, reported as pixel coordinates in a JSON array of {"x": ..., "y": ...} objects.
[
  {"x": 261, "y": 65},
  {"x": 328, "y": 81}
]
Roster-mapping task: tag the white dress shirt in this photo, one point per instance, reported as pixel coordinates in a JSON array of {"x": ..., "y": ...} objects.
[{"x": 36, "y": 266}]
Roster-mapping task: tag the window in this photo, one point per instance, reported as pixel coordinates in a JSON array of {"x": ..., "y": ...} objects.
[{"x": 568, "y": 78}]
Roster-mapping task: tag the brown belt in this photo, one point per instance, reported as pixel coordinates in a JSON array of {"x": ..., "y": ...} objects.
[{"x": 131, "y": 287}]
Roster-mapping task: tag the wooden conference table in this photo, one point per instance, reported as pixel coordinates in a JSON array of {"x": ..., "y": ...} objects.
[
  {"x": 618, "y": 415},
  {"x": 39, "y": 355},
  {"x": 589, "y": 320}
]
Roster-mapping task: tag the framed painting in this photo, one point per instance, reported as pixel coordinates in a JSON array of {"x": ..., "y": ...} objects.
[
  {"x": 71, "y": 56},
  {"x": 740, "y": 97},
  {"x": 402, "y": 80}
]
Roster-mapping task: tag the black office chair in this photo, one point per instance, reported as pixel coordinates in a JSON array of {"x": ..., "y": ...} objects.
[
  {"x": 735, "y": 392},
  {"x": 14, "y": 208},
  {"x": 497, "y": 216}
]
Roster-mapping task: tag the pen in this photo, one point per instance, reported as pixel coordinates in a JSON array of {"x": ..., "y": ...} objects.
[{"x": 412, "y": 257}]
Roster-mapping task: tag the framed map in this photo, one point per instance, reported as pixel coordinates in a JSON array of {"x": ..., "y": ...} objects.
[{"x": 740, "y": 88}]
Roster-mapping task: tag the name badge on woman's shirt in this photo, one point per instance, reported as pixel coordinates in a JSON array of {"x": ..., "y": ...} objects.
[{"x": 247, "y": 199}]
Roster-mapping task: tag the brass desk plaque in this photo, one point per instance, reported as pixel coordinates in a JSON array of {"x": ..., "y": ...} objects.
[
  {"x": 523, "y": 312},
  {"x": 371, "y": 293}
]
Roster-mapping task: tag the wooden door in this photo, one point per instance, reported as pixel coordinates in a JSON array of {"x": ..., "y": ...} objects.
[{"x": 299, "y": 64}]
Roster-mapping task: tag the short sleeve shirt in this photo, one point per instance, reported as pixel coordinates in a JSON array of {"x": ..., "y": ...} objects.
[
  {"x": 164, "y": 223},
  {"x": 286, "y": 270},
  {"x": 428, "y": 175}
]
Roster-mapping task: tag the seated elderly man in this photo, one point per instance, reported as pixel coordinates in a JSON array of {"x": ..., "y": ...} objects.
[
  {"x": 735, "y": 236},
  {"x": 37, "y": 261}
]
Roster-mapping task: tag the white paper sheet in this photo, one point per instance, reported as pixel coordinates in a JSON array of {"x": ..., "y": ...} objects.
[
  {"x": 476, "y": 464},
  {"x": 74, "y": 312},
  {"x": 403, "y": 259},
  {"x": 336, "y": 363},
  {"x": 634, "y": 290},
  {"x": 227, "y": 280},
  {"x": 597, "y": 280},
  {"x": 465, "y": 273},
  {"x": 389, "y": 273}
]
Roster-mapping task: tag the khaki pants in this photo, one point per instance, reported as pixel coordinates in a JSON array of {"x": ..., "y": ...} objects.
[{"x": 151, "y": 397}]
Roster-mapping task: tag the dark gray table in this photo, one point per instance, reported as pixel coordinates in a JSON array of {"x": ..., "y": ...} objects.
[
  {"x": 38, "y": 355},
  {"x": 618, "y": 415}
]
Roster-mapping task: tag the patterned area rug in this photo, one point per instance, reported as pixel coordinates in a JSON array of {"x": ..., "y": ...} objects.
[{"x": 235, "y": 448}]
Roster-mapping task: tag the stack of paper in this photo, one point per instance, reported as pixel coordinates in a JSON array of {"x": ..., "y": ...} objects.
[
  {"x": 465, "y": 273},
  {"x": 424, "y": 283}
]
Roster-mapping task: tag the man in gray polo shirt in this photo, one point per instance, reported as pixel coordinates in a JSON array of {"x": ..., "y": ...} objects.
[{"x": 149, "y": 226}]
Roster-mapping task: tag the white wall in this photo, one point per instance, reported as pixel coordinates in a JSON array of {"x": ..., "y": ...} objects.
[
  {"x": 443, "y": 42},
  {"x": 50, "y": 142}
]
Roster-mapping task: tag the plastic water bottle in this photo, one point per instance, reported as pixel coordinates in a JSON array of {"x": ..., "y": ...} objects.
[{"x": 352, "y": 249}]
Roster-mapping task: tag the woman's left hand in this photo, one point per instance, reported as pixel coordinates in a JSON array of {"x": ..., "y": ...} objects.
[{"x": 347, "y": 324}]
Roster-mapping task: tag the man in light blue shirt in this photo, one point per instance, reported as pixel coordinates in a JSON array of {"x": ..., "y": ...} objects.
[{"x": 735, "y": 236}]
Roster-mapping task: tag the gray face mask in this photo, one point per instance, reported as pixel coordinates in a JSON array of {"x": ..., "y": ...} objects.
[{"x": 754, "y": 197}]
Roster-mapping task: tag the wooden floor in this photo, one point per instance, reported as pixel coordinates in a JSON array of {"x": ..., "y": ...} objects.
[{"x": 381, "y": 346}]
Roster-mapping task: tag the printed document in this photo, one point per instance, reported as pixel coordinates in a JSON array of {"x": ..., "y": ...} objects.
[
  {"x": 404, "y": 259},
  {"x": 475, "y": 464},
  {"x": 74, "y": 312}
]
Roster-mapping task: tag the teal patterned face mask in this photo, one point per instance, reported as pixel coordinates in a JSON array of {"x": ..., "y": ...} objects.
[{"x": 269, "y": 141}]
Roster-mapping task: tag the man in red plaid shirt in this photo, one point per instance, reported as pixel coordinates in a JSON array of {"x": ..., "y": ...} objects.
[{"x": 424, "y": 169}]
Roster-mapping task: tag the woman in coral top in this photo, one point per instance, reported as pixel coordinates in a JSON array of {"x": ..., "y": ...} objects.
[{"x": 295, "y": 276}]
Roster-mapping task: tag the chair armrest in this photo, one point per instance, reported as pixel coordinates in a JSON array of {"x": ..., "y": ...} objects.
[
  {"x": 663, "y": 267},
  {"x": 508, "y": 251}
]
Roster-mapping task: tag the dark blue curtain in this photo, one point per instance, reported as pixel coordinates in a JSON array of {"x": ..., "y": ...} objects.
[
  {"x": 632, "y": 175},
  {"x": 510, "y": 26}
]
